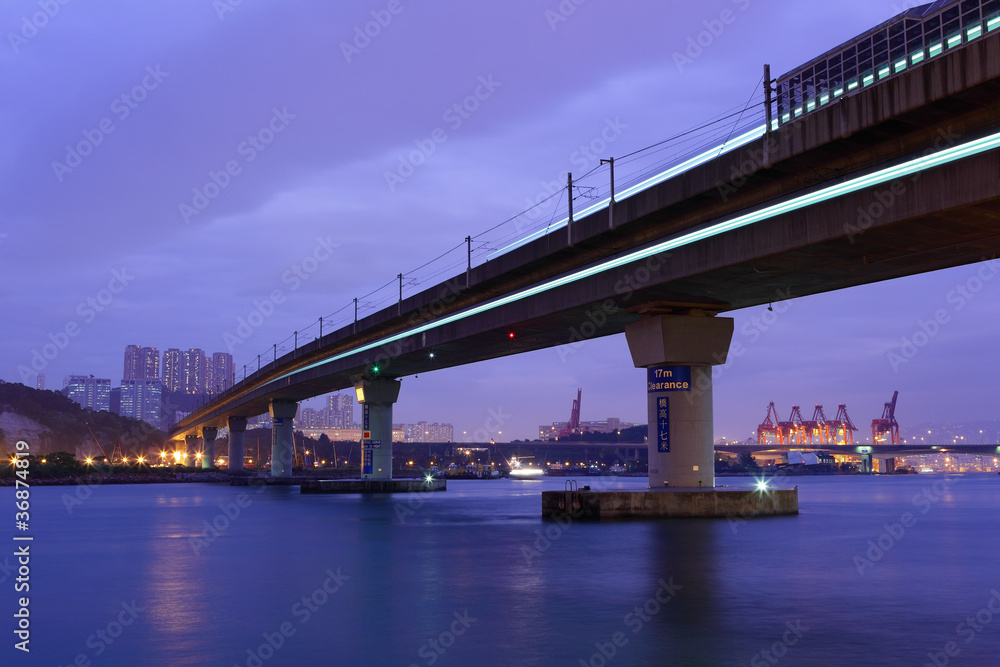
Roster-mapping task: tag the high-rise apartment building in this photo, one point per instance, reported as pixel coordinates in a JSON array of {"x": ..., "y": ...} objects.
[
  {"x": 141, "y": 363},
  {"x": 40, "y": 381},
  {"x": 90, "y": 392},
  {"x": 195, "y": 371},
  {"x": 340, "y": 409},
  {"x": 143, "y": 399},
  {"x": 220, "y": 373},
  {"x": 173, "y": 370},
  {"x": 424, "y": 432}
]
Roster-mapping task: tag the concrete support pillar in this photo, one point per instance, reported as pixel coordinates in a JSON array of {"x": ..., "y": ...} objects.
[
  {"x": 191, "y": 449},
  {"x": 282, "y": 443},
  {"x": 208, "y": 434},
  {"x": 376, "y": 398},
  {"x": 866, "y": 463},
  {"x": 678, "y": 352},
  {"x": 237, "y": 429}
]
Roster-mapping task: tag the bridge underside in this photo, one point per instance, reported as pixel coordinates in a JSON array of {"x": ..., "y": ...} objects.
[
  {"x": 945, "y": 217},
  {"x": 816, "y": 250}
]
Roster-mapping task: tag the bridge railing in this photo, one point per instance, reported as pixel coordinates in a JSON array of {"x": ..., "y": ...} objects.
[{"x": 907, "y": 40}]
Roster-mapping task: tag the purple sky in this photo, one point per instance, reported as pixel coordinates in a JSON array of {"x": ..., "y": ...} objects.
[{"x": 211, "y": 75}]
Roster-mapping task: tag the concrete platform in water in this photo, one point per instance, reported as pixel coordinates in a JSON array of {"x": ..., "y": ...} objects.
[
  {"x": 669, "y": 503},
  {"x": 266, "y": 481},
  {"x": 372, "y": 485}
]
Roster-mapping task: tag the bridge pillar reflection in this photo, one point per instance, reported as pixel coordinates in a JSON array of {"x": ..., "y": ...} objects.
[
  {"x": 679, "y": 349},
  {"x": 377, "y": 396},
  {"x": 237, "y": 429},
  {"x": 208, "y": 434},
  {"x": 282, "y": 442}
]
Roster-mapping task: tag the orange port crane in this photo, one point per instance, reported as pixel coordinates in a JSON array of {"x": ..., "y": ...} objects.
[
  {"x": 886, "y": 424},
  {"x": 769, "y": 427},
  {"x": 818, "y": 426},
  {"x": 793, "y": 428},
  {"x": 573, "y": 427},
  {"x": 842, "y": 428}
]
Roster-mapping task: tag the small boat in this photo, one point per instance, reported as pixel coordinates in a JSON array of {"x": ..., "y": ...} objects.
[{"x": 520, "y": 471}]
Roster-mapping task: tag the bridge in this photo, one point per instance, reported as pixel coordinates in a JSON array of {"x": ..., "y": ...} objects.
[
  {"x": 887, "y": 454},
  {"x": 875, "y": 161}
]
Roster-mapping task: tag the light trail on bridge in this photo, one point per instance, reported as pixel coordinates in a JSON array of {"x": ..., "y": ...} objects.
[
  {"x": 676, "y": 170},
  {"x": 878, "y": 177}
]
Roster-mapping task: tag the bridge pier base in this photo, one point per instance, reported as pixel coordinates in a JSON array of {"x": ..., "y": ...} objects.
[
  {"x": 190, "y": 449},
  {"x": 237, "y": 429},
  {"x": 282, "y": 437},
  {"x": 376, "y": 398},
  {"x": 886, "y": 464},
  {"x": 678, "y": 352},
  {"x": 208, "y": 434}
]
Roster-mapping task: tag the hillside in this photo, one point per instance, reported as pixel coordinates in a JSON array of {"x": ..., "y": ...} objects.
[{"x": 51, "y": 422}]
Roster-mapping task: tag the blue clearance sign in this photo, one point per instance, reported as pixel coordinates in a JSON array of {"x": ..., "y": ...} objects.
[
  {"x": 662, "y": 424},
  {"x": 668, "y": 378},
  {"x": 368, "y": 456}
]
